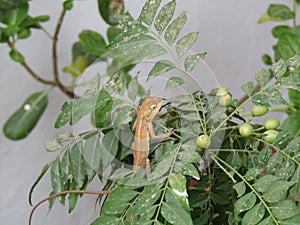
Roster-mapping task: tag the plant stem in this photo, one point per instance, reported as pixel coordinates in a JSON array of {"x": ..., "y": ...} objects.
[
  {"x": 31, "y": 72},
  {"x": 54, "y": 56},
  {"x": 250, "y": 186},
  {"x": 295, "y": 14},
  {"x": 65, "y": 193}
]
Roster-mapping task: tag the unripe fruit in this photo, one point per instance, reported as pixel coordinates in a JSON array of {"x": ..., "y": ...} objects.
[
  {"x": 203, "y": 141},
  {"x": 222, "y": 91},
  {"x": 246, "y": 130},
  {"x": 270, "y": 136},
  {"x": 271, "y": 123},
  {"x": 225, "y": 100},
  {"x": 259, "y": 110}
]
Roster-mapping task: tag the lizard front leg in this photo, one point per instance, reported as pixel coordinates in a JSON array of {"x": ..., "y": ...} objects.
[{"x": 158, "y": 137}]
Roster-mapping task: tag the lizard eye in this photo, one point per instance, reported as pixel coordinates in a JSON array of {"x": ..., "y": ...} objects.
[{"x": 153, "y": 107}]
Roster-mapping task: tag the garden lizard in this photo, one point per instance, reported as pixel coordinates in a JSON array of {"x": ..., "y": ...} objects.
[{"x": 143, "y": 129}]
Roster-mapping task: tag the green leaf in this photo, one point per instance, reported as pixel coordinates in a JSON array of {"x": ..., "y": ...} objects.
[
  {"x": 112, "y": 33},
  {"x": 134, "y": 34},
  {"x": 267, "y": 221},
  {"x": 78, "y": 164},
  {"x": 292, "y": 82},
  {"x": 174, "y": 197},
  {"x": 68, "y": 4},
  {"x": 77, "y": 67},
  {"x": 281, "y": 30},
  {"x": 126, "y": 20},
  {"x": 294, "y": 96},
  {"x": 72, "y": 198},
  {"x": 74, "y": 110},
  {"x": 277, "y": 191},
  {"x": 191, "y": 61},
  {"x": 248, "y": 88},
  {"x": 274, "y": 162},
  {"x": 34, "y": 21},
  {"x": 102, "y": 116},
  {"x": 263, "y": 183},
  {"x": 133, "y": 88},
  {"x": 56, "y": 182},
  {"x": 21, "y": 123},
  {"x": 293, "y": 146},
  {"x": 65, "y": 168},
  {"x": 92, "y": 42},
  {"x": 292, "y": 123},
  {"x": 160, "y": 67},
  {"x": 280, "y": 11},
  {"x": 185, "y": 43},
  {"x": 144, "y": 203},
  {"x": 164, "y": 16},
  {"x": 15, "y": 16},
  {"x": 178, "y": 182},
  {"x": 174, "y": 28},
  {"x": 16, "y": 56},
  {"x": 274, "y": 96},
  {"x": 174, "y": 214},
  {"x": 121, "y": 195},
  {"x": 106, "y": 219},
  {"x": 240, "y": 188},
  {"x": 267, "y": 59},
  {"x": 292, "y": 221},
  {"x": 120, "y": 173},
  {"x": 266, "y": 17},
  {"x": 287, "y": 46},
  {"x": 190, "y": 156},
  {"x": 245, "y": 203},
  {"x": 187, "y": 169},
  {"x": 286, "y": 170},
  {"x": 149, "y": 11},
  {"x": 262, "y": 77},
  {"x": 91, "y": 152},
  {"x": 279, "y": 68},
  {"x": 24, "y": 33},
  {"x": 285, "y": 209},
  {"x": 110, "y": 10},
  {"x": 44, "y": 170},
  {"x": 123, "y": 114},
  {"x": 260, "y": 99},
  {"x": 174, "y": 82},
  {"x": 254, "y": 215},
  {"x": 109, "y": 149},
  {"x": 132, "y": 53}
]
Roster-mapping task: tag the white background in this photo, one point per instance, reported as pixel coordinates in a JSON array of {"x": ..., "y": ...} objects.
[{"x": 228, "y": 31}]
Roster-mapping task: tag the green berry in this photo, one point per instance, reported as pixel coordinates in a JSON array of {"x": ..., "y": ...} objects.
[
  {"x": 203, "y": 141},
  {"x": 222, "y": 91},
  {"x": 270, "y": 136},
  {"x": 225, "y": 100},
  {"x": 271, "y": 123},
  {"x": 259, "y": 110},
  {"x": 246, "y": 130}
]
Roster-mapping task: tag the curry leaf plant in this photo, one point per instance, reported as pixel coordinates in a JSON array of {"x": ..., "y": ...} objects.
[{"x": 212, "y": 170}]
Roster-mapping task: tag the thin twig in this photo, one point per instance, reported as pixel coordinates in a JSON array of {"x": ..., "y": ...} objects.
[
  {"x": 31, "y": 72},
  {"x": 54, "y": 56},
  {"x": 65, "y": 193},
  {"x": 35, "y": 76}
]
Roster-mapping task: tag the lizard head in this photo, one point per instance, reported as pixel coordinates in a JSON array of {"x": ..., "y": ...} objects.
[{"x": 150, "y": 107}]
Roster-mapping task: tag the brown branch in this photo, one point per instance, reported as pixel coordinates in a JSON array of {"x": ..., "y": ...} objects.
[
  {"x": 31, "y": 72},
  {"x": 54, "y": 56},
  {"x": 37, "y": 77},
  {"x": 65, "y": 193}
]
